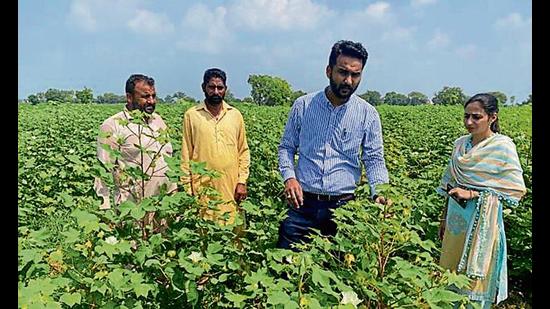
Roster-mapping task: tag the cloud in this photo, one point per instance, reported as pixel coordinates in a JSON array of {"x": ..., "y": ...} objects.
[
  {"x": 150, "y": 23},
  {"x": 417, "y": 3},
  {"x": 277, "y": 14},
  {"x": 467, "y": 52},
  {"x": 205, "y": 29},
  {"x": 97, "y": 15},
  {"x": 439, "y": 40},
  {"x": 513, "y": 21},
  {"x": 81, "y": 14},
  {"x": 378, "y": 10},
  {"x": 398, "y": 33}
]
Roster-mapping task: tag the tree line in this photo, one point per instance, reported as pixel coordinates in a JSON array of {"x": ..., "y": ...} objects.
[{"x": 272, "y": 90}]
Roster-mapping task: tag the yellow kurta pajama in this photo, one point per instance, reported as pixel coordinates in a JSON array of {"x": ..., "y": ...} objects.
[{"x": 221, "y": 143}]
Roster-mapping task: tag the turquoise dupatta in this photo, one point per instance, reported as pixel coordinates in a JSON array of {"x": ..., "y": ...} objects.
[{"x": 491, "y": 167}]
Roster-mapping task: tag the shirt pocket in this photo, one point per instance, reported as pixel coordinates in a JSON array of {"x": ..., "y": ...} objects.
[
  {"x": 348, "y": 141},
  {"x": 227, "y": 138},
  {"x": 228, "y": 135}
]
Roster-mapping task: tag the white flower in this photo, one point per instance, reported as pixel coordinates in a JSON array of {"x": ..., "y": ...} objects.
[
  {"x": 288, "y": 259},
  {"x": 111, "y": 240},
  {"x": 350, "y": 297},
  {"x": 195, "y": 256}
]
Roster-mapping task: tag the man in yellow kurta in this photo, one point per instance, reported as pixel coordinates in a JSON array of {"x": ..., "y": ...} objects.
[{"x": 214, "y": 132}]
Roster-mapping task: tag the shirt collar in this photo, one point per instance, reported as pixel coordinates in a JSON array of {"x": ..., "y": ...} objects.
[
  {"x": 329, "y": 105},
  {"x": 225, "y": 106}
]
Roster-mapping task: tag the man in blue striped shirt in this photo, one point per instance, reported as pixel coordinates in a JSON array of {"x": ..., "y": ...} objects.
[{"x": 331, "y": 131}]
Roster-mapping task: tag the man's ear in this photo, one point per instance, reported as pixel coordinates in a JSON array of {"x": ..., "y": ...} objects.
[
  {"x": 128, "y": 98},
  {"x": 203, "y": 87},
  {"x": 328, "y": 71}
]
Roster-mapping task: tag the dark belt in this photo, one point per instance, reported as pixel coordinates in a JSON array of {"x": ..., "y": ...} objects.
[{"x": 328, "y": 198}]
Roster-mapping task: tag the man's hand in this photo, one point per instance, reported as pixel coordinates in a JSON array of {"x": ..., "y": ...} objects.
[
  {"x": 293, "y": 193},
  {"x": 382, "y": 200},
  {"x": 240, "y": 193}
]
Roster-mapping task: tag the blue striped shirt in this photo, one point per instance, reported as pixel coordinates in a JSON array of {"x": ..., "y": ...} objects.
[{"x": 330, "y": 143}]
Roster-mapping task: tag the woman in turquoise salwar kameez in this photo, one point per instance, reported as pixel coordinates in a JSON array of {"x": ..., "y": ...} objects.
[{"x": 485, "y": 175}]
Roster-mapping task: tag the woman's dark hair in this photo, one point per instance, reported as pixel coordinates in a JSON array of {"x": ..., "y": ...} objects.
[
  {"x": 134, "y": 79},
  {"x": 347, "y": 48},
  {"x": 490, "y": 105},
  {"x": 214, "y": 72}
]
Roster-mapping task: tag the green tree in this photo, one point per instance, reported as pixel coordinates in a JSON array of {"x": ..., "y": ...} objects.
[
  {"x": 296, "y": 94},
  {"x": 501, "y": 97},
  {"x": 372, "y": 96},
  {"x": 63, "y": 96},
  {"x": 270, "y": 90},
  {"x": 395, "y": 98},
  {"x": 33, "y": 99},
  {"x": 248, "y": 100},
  {"x": 229, "y": 97},
  {"x": 417, "y": 98},
  {"x": 179, "y": 95},
  {"x": 450, "y": 96},
  {"x": 84, "y": 96},
  {"x": 110, "y": 98},
  {"x": 529, "y": 100}
]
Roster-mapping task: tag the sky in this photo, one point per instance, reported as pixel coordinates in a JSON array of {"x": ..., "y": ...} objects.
[{"x": 413, "y": 45}]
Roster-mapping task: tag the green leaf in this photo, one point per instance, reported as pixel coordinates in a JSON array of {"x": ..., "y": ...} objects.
[
  {"x": 150, "y": 262},
  {"x": 191, "y": 290},
  {"x": 320, "y": 277},
  {"x": 117, "y": 279},
  {"x": 237, "y": 299},
  {"x": 137, "y": 213},
  {"x": 126, "y": 207},
  {"x": 223, "y": 277},
  {"x": 70, "y": 299},
  {"x": 71, "y": 236},
  {"x": 214, "y": 247},
  {"x": 88, "y": 221},
  {"x": 34, "y": 255},
  {"x": 277, "y": 297},
  {"x": 142, "y": 289},
  {"x": 147, "y": 204}
]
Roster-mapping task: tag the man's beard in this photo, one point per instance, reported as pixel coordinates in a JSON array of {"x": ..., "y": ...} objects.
[
  {"x": 336, "y": 90},
  {"x": 214, "y": 99}
]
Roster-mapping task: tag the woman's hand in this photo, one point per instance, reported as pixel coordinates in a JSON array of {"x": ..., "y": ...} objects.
[
  {"x": 463, "y": 194},
  {"x": 442, "y": 224}
]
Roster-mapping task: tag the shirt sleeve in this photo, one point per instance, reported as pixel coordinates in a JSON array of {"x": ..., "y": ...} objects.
[
  {"x": 105, "y": 138},
  {"x": 289, "y": 143},
  {"x": 373, "y": 154},
  {"x": 244, "y": 153},
  {"x": 186, "y": 150}
]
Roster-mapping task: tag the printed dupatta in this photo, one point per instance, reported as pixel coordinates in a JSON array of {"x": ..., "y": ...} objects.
[
  {"x": 491, "y": 167},
  {"x": 493, "y": 164}
]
